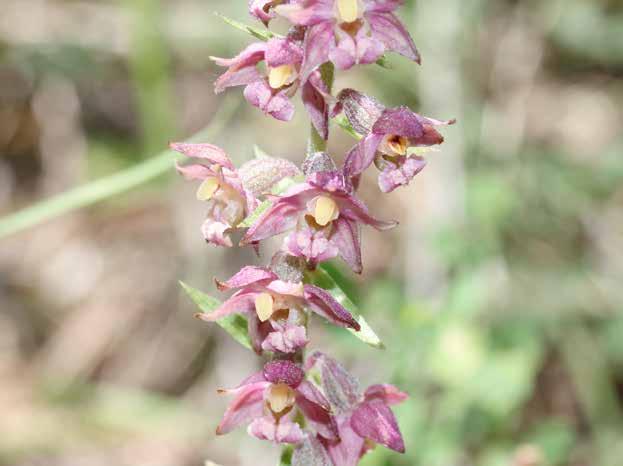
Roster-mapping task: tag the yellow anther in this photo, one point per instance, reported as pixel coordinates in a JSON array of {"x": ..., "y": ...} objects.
[
  {"x": 398, "y": 145},
  {"x": 280, "y": 397},
  {"x": 264, "y": 306},
  {"x": 348, "y": 10},
  {"x": 280, "y": 75},
  {"x": 325, "y": 211},
  {"x": 207, "y": 188}
]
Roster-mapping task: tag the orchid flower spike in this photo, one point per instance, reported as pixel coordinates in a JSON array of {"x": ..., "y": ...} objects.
[
  {"x": 276, "y": 310},
  {"x": 325, "y": 216},
  {"x": 348, "y": 32},
  {"x": 271, "y": 89},
  {"x": 387, "y": 133},
  {"x": 268, "y": 401}
]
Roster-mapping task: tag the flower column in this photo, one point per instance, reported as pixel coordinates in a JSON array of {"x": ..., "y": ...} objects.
[{"x": 311, "y": 404}]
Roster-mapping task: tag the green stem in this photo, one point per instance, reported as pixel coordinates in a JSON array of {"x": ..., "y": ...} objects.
[{"x": 113, "y": 185}]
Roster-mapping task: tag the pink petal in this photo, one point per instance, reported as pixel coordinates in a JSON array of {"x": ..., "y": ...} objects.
[
  {"x": 195, "y": 171},
  {"x": 400, "y": 121},
  {"x": 374, "y": 420},
  {"x": 319, "y": 40},
  {"x": 250, "y": 56},
  {"x": 280, "y": 217},
  {"x": 362, "y": 155},
  {"x": 387, "y": 393},
  {"x": 260, "y": 95},
  {"x": 261, "y": 9},
  {"x": 310, "y": 392},
  {"x": 247, "y": 276},
  {"x": 208, "y": 152},
  {"x": 353, "y": 209},
  {"x": 310, "y": 244},
  {"x": 258, "y": 332},
  {"x": 344, "y": 53},
  {"x": 241, "y": 77},
  {"x": 350, "y": 449},
  {"x": 240, "y": 303},
  {"x": 216, "y": 232},
  {"x": 288, "y": 340},
  {"x": 290, "y": 289},
  {"x": 307, "y": 13},
  {"x": 347, "y": 240},
  {"x": 265, "y": 428},
  {"x": 390, "y": 31},
  {"x": 247, "y": 405},
  {"x": 317, "y": 417},
  {"x": 391, "y": 178},
  {"x": 313, "y": 95},
  {"x": 384, "y": 6},
  {"x": 283, "y": 52}
]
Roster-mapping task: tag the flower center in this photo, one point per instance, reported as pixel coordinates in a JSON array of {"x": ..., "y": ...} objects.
[
  {"x": 280, "y": 397},
  {"x": 279, "y": 76},
  {"x": 348, "y": 10},
  {"x": 207, "y": 188},
  {"x": 326, "y": 210},
  {"x": 281, "y": 314},
  {"x": 264, "y": 306},
  {"x": 398, "y": 144}
]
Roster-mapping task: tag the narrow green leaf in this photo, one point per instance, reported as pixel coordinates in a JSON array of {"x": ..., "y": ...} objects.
[
  {"x": 278, "y": 188},
  {"x": 261, "y": 34},
  {"x": 343, "y": 123},
  {"x": 321, "y": 278},
  {"x": 235, "y": 325}
]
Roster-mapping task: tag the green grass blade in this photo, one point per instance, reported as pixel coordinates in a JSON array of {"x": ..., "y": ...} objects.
[
  {"x": 110, "y": 186},
  {"x": 235, "y": 325}
]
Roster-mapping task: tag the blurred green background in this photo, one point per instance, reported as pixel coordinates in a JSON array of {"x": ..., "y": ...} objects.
[{"x": 499, "y": 297}]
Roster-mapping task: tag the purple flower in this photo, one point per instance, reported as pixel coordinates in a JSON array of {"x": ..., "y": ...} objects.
[
  {"x": 325, "y": 216},
  {"x": 227, "y": 199},
  {"x": 388, "y": 132},
  {"x": 276, "y": 309},
  {"x": 272, "y": 89},
  {"x": 349, "y": 32},
  {"x": 363, "y": 419},
  {"x": 267, "y": 400}
]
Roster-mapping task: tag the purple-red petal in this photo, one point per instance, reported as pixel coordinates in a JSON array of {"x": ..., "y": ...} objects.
[
  {"x": 376, "y": 421},
  {"x": 325, "y": 305},
  {"x": 388, "y": 29},
  {"x": 208, "y": 152},
  {"x": 388, "y": 394},
  {"x": 247, "y": 405},
  {"x": 248, "y": 275}
]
